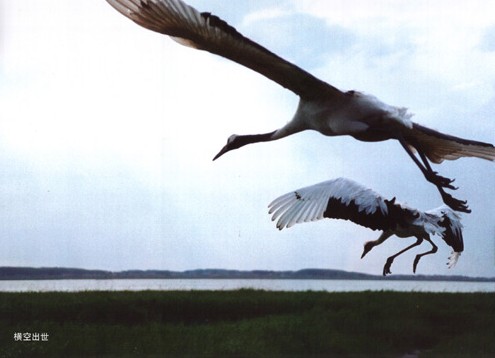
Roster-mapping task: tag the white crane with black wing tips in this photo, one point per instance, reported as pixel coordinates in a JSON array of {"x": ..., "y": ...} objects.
[
  {"x": 322, "y": 107},
  {"x": 345, "y": 199}
]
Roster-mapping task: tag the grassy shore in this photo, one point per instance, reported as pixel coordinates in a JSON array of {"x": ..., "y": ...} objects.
[{"x": 248, "y": 323}]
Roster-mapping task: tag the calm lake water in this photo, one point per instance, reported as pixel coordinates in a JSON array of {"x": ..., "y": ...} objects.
[{"x": 227, "y": 284}]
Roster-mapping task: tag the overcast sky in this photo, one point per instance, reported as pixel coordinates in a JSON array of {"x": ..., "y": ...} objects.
[{"x": 108, "y": 130}]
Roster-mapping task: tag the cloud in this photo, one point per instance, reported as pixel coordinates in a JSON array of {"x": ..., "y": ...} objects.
[
  {"x": 435, "y": 40},
  {"x": 488, "y": 40}
]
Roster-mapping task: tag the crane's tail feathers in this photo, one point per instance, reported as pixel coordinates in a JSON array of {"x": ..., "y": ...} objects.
[
  {"x": 454, "y": 256},
  {"x": 439, "y": 147},
  {"x": 450, "y": 228}
]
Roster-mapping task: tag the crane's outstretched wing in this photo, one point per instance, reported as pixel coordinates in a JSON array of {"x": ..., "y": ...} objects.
[
  {"x": 208, "y": 32},
  {"x": 339, "y": 199}
]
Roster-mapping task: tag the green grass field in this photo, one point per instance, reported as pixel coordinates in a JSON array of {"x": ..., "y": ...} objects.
[{"x": 248, "y": 323}]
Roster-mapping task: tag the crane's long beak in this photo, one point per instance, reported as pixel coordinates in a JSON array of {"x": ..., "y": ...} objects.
[
  {"x": 224, "y": 150},
  {"x": 367, "y": 248}
]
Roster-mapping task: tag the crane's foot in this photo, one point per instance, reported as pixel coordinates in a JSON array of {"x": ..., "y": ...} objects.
[
  {"x": 388, "y": 265},
  {"x": 455, "y": 204},
  {"x": 435, "y": 178}
]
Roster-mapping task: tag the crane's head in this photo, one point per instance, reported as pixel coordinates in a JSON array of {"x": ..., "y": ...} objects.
[
  {"x": 367, "y": 248},
  {"x": 233, "y": 142},
  {"x": 236, "y": 141}
]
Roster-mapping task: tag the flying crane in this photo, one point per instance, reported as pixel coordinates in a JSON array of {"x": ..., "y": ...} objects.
[
  {"x": 345, "y": 199},
  {"x": 321, "y": 107}
]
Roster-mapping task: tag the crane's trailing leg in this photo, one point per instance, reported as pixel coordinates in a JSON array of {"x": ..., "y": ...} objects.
[
  {"x": 434, "y": 249},
  {"x": 439, "y": 181},
  {"x": 456, "y": 204},
  {"x": 442, "y": 181},
  {"x": 390, "y": 260}
]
